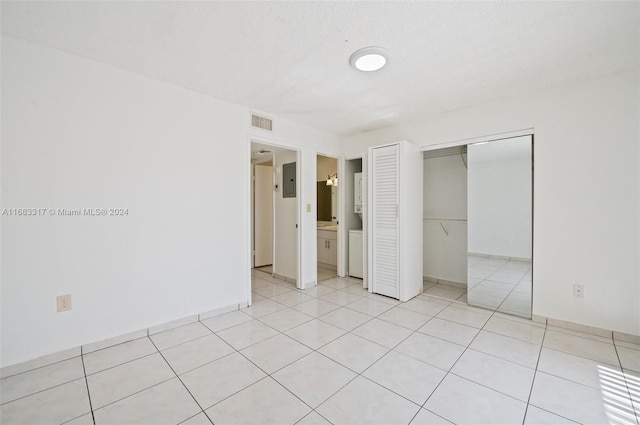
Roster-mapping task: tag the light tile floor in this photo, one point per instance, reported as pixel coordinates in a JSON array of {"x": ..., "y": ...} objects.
[
  {"x": 337, "y": 354},
  {"x": 324, "y": 272}
]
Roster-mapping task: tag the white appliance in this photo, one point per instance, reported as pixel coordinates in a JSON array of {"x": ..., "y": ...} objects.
[
  {"x": 355, "y": 253},
  {"x": 357, "y": 193}
]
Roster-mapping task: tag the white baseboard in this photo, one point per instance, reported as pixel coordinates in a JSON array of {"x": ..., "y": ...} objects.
[
  {"x": 173, "y": 324},
  {"x": 444, "y": 282},
  {"x": 500, "y": 257},
  {"x": 40, "y": 362},
  {"x": 309, "y": 284},
  {"x": 285, "y": 278},
  {"x": 109, "y": 342}
]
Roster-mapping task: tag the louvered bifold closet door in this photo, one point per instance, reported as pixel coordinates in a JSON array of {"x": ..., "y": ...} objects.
[{"x": 385, "y": 230}]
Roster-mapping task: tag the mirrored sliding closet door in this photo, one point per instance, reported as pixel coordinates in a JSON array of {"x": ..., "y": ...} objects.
[{"x": 500, "y": 216}]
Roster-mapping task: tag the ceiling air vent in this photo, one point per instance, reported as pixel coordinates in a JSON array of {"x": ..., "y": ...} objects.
[{"x": 261, "y": 122}]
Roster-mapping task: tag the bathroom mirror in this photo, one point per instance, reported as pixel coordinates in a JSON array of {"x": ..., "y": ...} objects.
[
  {"x": 499, "y": 240},
  {"x": 324, "y": 203}
]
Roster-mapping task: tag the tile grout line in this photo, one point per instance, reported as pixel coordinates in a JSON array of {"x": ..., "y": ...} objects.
[
  {"x": 136, "y": 392},
  {"x": 535, "y": 373},
  {"x": 180, "y": 379},
  {"x": 491, "y": 274},
  {"x": 626, "y": 383},
  {"x": 412, "y": 333},
  {"x": 360, "y": 374},
  {"x": 420, "y": 407},
  {"x": 267, "y": 375},
  {"x": 40, "y": 391},
  {"x": 328, "y": 358},
  {"x": 510, "y": 292},
  {"x": 391, "y": 349},
  {"x": 580, "y": 355},
  {"x": 86, "y": 381},
  {"x": 36, "y": 368},
  {"x": 436, "y": 387},
  {"x": 453, "y": 365},
  {"x": 533, "y": 383}
]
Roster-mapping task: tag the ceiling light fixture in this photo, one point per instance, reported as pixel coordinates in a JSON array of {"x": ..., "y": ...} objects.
[{"x": 369, "y": 59}]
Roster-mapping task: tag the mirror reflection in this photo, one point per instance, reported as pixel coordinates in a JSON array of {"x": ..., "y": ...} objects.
[
  {"x": 327, "y": 217},
  {"x": 499, "y": 214}
]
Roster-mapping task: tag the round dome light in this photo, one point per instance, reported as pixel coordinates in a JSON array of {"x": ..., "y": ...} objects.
[{"x": 369, "y": 59}]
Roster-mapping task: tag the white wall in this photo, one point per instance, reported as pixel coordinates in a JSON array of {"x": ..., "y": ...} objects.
[
  {"x": 445, "y": 201},
  {"x": 77, "y": 133},
  {"x": 499, "y": 194},
  {"x": 586, "y": 190}
]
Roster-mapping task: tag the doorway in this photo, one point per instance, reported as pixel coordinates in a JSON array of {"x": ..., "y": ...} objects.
[
  {"x": 327, "y": 207},
  {"x": 263, "y": 223},
  {"x": 353, "y": 219},
  {"x": 274, "y": 212}
]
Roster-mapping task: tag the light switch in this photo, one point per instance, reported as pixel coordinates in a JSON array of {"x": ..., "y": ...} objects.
[{"x": 308, "y": 208}]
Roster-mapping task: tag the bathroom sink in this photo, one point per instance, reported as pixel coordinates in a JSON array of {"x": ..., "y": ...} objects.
[{"x": 327, "y": 225}]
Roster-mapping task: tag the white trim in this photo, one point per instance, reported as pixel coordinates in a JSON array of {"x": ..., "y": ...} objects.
[
  {"x": 45, "y": 360},
  {"x": 173, "y": 324},
  {"x": 299, "y": 183},
  {"x": 218, "y": 311},
  {"x": 487, "y": 138},
  {"x": 249, "y": 195},
  {"x": 110, "y": 342}
]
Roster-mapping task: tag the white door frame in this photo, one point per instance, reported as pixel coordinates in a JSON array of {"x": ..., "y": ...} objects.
[
  {"x": 249, "y": 190},
  {"x": 487, "y": 138},
  {"x": 341, "y": 235}
]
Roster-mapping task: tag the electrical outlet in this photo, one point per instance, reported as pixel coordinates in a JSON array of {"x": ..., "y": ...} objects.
[
  {"x": 578, "y": 291},
  {"x": 63, "y": 302}
]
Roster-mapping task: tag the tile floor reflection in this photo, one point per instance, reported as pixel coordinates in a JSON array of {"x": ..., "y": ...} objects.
[
  {"x": 337, "y": 354},
  {"x": 500, "y": 284}
]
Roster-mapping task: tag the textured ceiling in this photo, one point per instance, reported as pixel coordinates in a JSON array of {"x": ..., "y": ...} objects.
[{"x": 292, "y": 58}]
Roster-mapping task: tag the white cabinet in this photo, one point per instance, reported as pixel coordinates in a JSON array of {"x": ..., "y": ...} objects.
[
  {"x": 327, "y": 247},
  {"x": 395, "y": 220},
  {"x": 355, "y": 253}
]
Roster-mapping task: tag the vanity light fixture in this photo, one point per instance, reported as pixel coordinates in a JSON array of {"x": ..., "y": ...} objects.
[
  {"x": 332, "y": 180},
  {"x": 369, "y": 59}
]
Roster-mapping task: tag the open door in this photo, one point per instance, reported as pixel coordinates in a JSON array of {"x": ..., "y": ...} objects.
[{"x": 263, "y": 215}]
